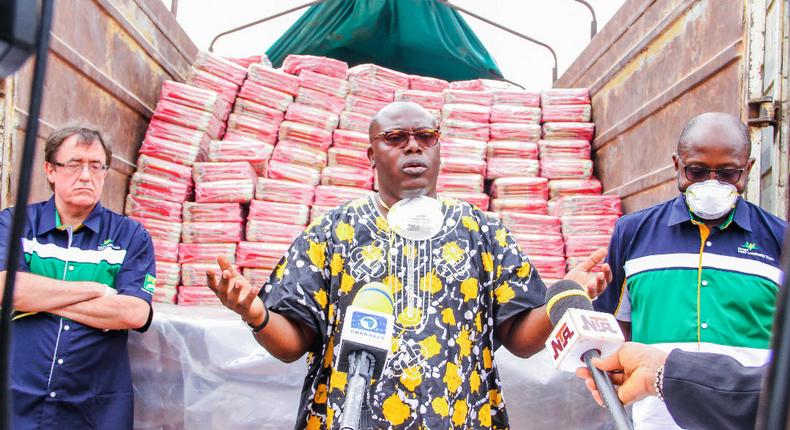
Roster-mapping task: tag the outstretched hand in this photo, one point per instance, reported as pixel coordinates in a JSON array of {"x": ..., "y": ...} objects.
[
  {"x": 594, "y": 282},
  {"x": 235, "y": 291}
]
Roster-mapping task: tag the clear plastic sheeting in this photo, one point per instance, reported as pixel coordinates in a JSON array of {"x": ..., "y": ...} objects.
[{"x": 199, "y": 368}]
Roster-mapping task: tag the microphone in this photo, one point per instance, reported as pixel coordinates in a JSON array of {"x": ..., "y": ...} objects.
[
  {"x": 581, "y": 334},
  {"x": 365, "y": 344}
]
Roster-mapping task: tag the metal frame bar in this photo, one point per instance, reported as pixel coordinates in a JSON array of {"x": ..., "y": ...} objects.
[{"x": 594, "y": 22}]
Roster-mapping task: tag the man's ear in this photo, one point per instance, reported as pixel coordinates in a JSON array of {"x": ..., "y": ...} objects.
[
  {"x": 749, "y": 165},
  {"x": 370, "y": 156}
]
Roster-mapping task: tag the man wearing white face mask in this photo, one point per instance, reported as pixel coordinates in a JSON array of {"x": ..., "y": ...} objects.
[{"x": 699, "y": 272}]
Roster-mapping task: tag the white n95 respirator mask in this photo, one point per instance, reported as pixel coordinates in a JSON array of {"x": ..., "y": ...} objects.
[{"x": 711, "y": 199}]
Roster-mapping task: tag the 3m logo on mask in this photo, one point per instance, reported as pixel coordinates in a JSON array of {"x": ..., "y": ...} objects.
[{"x": 752, "y": 249}]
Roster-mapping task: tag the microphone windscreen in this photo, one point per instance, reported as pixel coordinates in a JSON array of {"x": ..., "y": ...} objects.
[
  {"x": 374, "y": 296},
  {"x": 564, "y": 295}
]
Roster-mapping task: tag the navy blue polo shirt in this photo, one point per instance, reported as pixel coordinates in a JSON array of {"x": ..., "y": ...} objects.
[{"x": 65, "y": 374}]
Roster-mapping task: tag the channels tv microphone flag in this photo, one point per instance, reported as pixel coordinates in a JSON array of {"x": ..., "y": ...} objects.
[{"x": 581, "y": 334}]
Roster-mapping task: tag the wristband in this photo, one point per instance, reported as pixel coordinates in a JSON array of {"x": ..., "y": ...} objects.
[
  {"x": 658, "y": 384},
  {"x": 256, "y": 329}
]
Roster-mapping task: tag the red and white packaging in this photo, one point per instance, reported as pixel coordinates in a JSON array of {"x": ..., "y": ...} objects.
[
  {"x": 164, "y": 231},
  {"x": 484, "y": 98},
  {"x": 372, "y": 89},
  {"x": 503, "y": 167},
  {"x": 263, "y": 130},
  {"x": 165, "y": 294},
  {"x": 516, "y": 97},
  {"x": 167, "y": 150},
  {"x": 548, "y": 266},
  {"x": 165, "y": 250},
  {"x": 512, "y": 149},
  {"x": 568, "y": 131},
  {"x": 462, "y": 165},
  {"x": 277, "y": 190},
  {"x": 274, "y": 79},
  {"x": 468, "y": 85},
  {"x": 295, "y": 173},
  {"x": 587, "y": 205},
  {"x": 157, "y": 187},
  {"x": 246, "y": 62},
  {"x": 425, "y": 83},
  {"x": 213, "y": 212},
  {"x": 582, "y": 245},
  {"x": 460, "y": 182},
  {"x": 298, "y": 112},
  {"x": 257, "y": 277},
  {"x": 290, "y": 213},
  {"x": 258, "y": 111},
  {"x": 466, "y": 112},
  {"x": 565, "y": 96},
  {"x": 521, "y": 205},
  {"x": 349, "y": 157},
  {"x": 515, "y": 131},
  {"x": 572, "y": 262},
  {"x": 480, "y": 200},
  {"x": 220, "y": 66},
  {"x": 168, "y": 273},
  {"x": 567, "y": 113},
  {"x": 199, "y": 295},
  {"x": 525, "y": 223},
  {"x": 355, "y": 121},
  {"x": 176, "y": 133},
  {"x": 194, "y": 275},
  {"x": 205, "y": 252},
  {"x": 211, "y": 232},
  {"x": 226, "y": 89},
  {"x": 572, "y": 187},
  {"x": 194, "y": 97},
  {"x": 464, "y": 130},
  {"x": 294, "y": 64},
  {"x": 515, "y": 114},
  {"x": 266, "y": 96},
  {"x": 374, "y": 72},
  {"x": 347, "y": 176},
  {"x": 320, "y": 100},
  {"x": 566, "y": 168},
  {"x": 260, "y": 254},
  {"x": 350, "y": 139},
  {"x": 146, "y": 207},
  {"x": 564, "y": 149},
  {"x": 543, "y": 244},
  {"x": 239, "y": 148},
  {"x": 306, "y": 134},
  {"x": 319, "y": 211},
  {"x": 267, "y": 231},
  {"x": 323, "y": 83},
  {"x": 222, "y": 171},
  {"x": 331, "y": 195},
  {"x": 455, "y": 147},
  {"x": 299, "y": 154},
  {"x": 231, "y": 191},
  {"x": 364, "y": 105},
  {"x": 521, "y": 186},
  {"x": 166, "y": 169},
  {"x": 183, "y": 116},
  {"x": 426, "y": 99},
  {"x": 588, "y": 224}
]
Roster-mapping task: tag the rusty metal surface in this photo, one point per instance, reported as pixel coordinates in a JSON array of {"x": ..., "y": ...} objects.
[
  {"x": 107, "y": 61},
  {"x": 655, "y": 65}
]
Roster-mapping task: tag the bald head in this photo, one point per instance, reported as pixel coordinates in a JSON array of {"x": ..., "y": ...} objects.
[
  {"x": 406, "y": 115},
  {"x": 716, "y": 128}
]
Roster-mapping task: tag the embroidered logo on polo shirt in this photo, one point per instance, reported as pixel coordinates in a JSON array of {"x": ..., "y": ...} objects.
[
  {"x": 150, "y": 284},
  {"x": 751, "y": 249},
  {"x": 108, "y": 244}
]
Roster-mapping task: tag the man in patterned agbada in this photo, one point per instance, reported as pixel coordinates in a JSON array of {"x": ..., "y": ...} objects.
[{"x": 459, "y": 294}]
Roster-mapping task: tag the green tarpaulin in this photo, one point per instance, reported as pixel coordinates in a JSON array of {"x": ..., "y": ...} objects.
[{"x": 423, "y": 37}]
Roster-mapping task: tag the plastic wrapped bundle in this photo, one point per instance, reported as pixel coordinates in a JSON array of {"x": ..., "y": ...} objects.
[
  {"x": 213, "y": 212},
  {"x": 465, "y": 130},
  {"x": 274, "y": 79},
  {"x": 462, "y": 165},
  {"x": 257, "y": 129},
  {"x": 455, "y": 147},
  {"x": 373, "y": 72},
  {"x": 146, "y": 207},
  {"x": 319, "y": 211},
  {"x": 294, "y": 64},
  {"x": 320, "y": 100},
  {"x": 194, "y": 97},
  {"x": 572, "y": 262},
  {"x": 588, "y": 224},
  {"x": 165, "y": 250},
  {"x": 266, "y": 96},
  {"x": 568, "y": 131},
  {"x": 211, "y": 232},
  {"x": 299, "y": 154},
  {"x": 564, "y": 149},
  {"x": 276, "y": 190},
  {"x": 166, "y": 169},
  {"x": 372, "y": 89},
  {"x": 290, "y": 213},
  {"x": 481, "y": 200},
  {"x": 460, "y": 182},
  {"x": 222, "y": 171},
  {"x": 226, "y": 89},
  {"x": 524, "y": 223},
  {"x": 426, "y": 99},
  {"x": 295, "y": 173},
  {"x": 588, "y": 205},
  {"x": 548, "y": 266},
  {"x": 298, "y": 112},
  {"x": 267, "y": 231},
  {"x": 183, "y": 116},
  {"x": 466, "y": 112},
  {"x": 221, "y": 67},
  {"x": 323, "y": 83},
  {"x": 572, "y": 187},
  {"x": 515, "y": 131},
  {"x": 468, "y": 85},
  {"x": 164, "y": 231},
  {"x": 582, "y": 245},
  {"x": 260, "y": 254},
  {"x": 520, "y": 205},
  {"x": 197, "y": 296},
  {"x": 541, "y": 244},
  {"x": 350, "y": 139},
  {"x": 168, "y": 150},
  {"x": 566, "y": 168},
  {"x": 194, "y": 274},
  {"x": 516, "y": 97},
  {"x": 230, "y": 191},
  {"x": 165, "y": 294},
  {"x": 515, "y": 114},
  {"x": 347, "y": 176},
  {"x": 484, "y": 98},
  {"x": 331, "y": 195},
  {"x": 364, "y": 105},
  {"x": 567, "y": 113},
  {"x": 502, "y": 167},
  {"x": 246, "y": 62},
  {"x": 168, "y": 273},
  {"x": 512, "y": 149},
  {"x": 425, "y": 83},
  {"x": 521, "y": 186},
  {"x": 175, "y": 133},
  {"x": 157, "y": 187},
  {"x": 354, "y": 121},
  {"x": 257, "y": 277},
  {"x": 239, "y": 148},
  {"x": 205, "y": 252},
  {"x": 258, "y": 111},
  {"x": 565, "y": 96},
  {"x": 349, "y": 157},
  {"x": 306, "y": 134}
]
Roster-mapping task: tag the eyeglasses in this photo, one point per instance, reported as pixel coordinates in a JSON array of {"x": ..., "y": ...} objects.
[
  {"x": 699, "y": 173},
  {"x": 425, "y": 137},
  {"x": 75, "y": 166}
]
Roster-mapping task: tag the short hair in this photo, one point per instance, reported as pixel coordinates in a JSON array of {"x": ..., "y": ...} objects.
[
  {"x": 719, "y": 118},
  {"x": 84, "y": 135}
]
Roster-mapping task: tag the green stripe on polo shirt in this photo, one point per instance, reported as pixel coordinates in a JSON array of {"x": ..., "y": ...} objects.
[{"x": 102, "y": 272}]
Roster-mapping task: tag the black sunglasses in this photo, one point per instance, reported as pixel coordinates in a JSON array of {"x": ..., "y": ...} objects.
[
  {"x": 700, "y": 173},
  {"x": 425, "y": 137}
]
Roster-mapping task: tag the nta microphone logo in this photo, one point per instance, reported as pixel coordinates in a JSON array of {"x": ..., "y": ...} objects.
[
  {"x": 560, "y": 341},
  {"x": 599, "y": 324}
]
